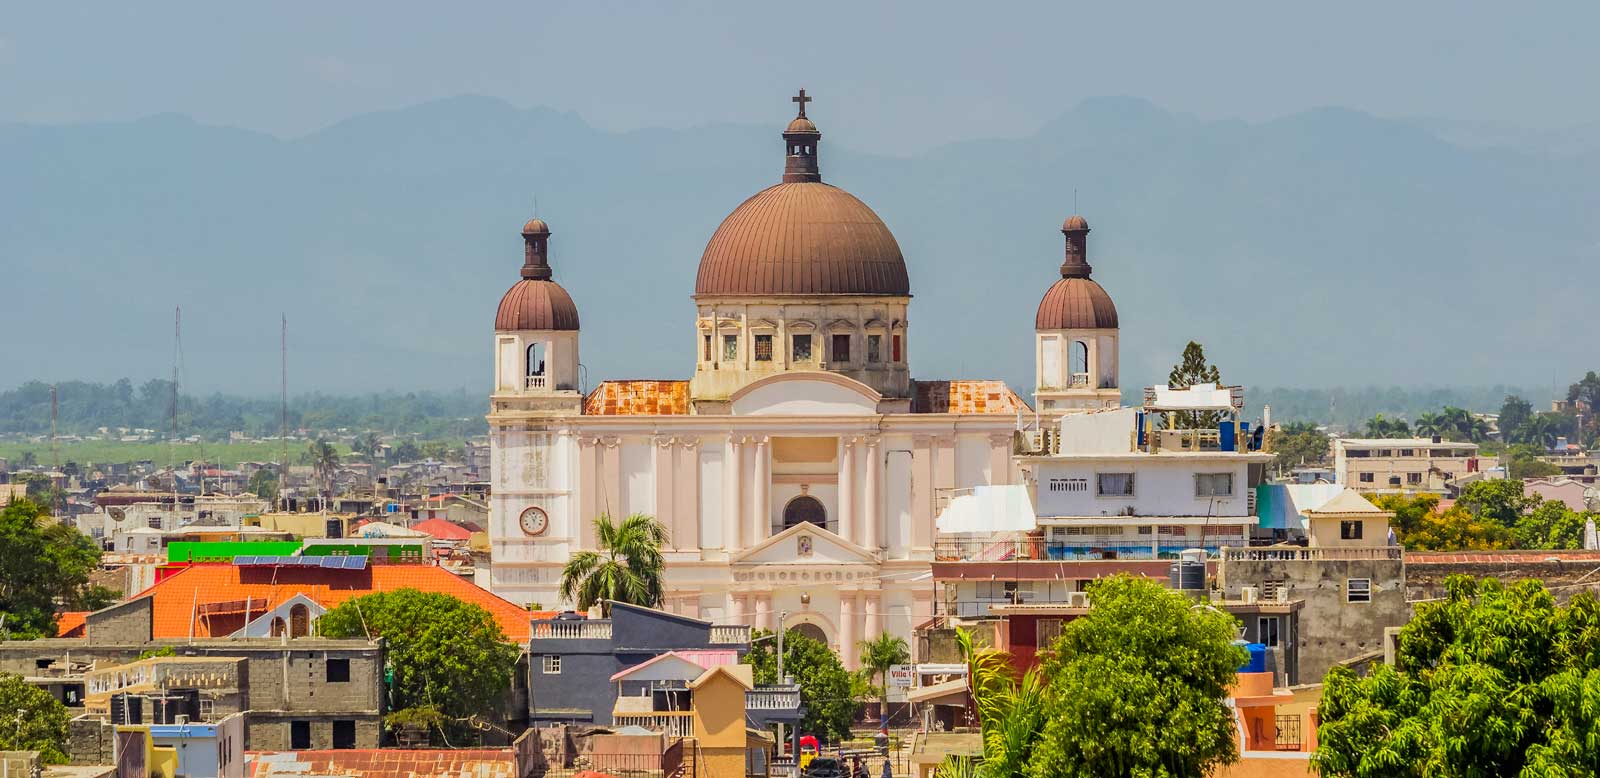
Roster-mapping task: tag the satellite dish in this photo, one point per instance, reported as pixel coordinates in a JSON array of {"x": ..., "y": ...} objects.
[{"x": 116, "y": 514}]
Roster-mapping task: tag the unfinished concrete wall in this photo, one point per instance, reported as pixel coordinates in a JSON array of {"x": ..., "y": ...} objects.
[
  {"x": 1332, "y": 628},
  {"x": 128, "y": 622}
]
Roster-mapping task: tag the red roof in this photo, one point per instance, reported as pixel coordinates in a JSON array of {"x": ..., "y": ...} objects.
[
  {"x": 385, "y": 763},
  {"x": 175, "y": 600},
  {"x": 965, "y": 397},
  {"x": 443, "y": 530},
  {"x": 70, "y": 624},
  {"x": 638, "y": 398}
]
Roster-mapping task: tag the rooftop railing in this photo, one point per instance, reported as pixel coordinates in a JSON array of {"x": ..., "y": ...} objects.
[
  {"x": 730, "y": 634},
  {"x": 572, "y": 629},
  {"x": 773, "y": 698},
  {"x": 1317, "y": 554}
]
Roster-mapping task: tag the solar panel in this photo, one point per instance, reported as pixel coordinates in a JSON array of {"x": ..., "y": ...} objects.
[
  {"x": 244, "y": 560},
  {"x": 357, "y": 562}
]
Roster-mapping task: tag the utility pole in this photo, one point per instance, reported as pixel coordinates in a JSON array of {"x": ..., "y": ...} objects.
[
  {"x": 283, "y": 407},
  {"x": 783, "y": 616}
]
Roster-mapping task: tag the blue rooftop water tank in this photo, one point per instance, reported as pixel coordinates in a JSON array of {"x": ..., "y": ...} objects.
[{"x": 1257, "y": 663}]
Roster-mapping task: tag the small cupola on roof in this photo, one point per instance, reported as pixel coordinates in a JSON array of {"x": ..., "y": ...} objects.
[
  {"x": 1076, "y": 302},
  {"x": 536, "y": 302},
  {"x": 801, "y": 137}
]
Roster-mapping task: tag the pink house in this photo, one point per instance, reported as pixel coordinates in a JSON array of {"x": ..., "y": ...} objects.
[{"x": 1567, "y": 491}]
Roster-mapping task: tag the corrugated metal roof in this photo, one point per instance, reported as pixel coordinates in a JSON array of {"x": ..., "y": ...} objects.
[
  {"x": 638, "y": 398},
  {"x": 806, "y": 238},
  {"x": 965, "y": 397}
]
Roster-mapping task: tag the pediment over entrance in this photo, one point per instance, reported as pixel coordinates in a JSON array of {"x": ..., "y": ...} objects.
[
  {"x": 805, "y": 394},
  {"x": 805, "y": 544}
]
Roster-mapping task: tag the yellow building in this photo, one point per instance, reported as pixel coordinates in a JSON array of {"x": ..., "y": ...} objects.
[
  {"x": 304, "y": 525},
  {"x": 725, "y": 747}
]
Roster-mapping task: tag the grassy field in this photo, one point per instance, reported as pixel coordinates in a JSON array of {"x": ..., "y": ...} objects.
[{"x": 110, "y": 451}]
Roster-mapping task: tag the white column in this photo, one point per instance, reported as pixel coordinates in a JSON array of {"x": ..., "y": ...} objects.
[
  {"x": 663, "y": 477},
  {"x": 874, "y": 616},
  {"x": 847, "y": 489},
  {"x": 732, "y": 481},
  {"x": 763, "y": 611},
  {"x": 761, "y": 505},
  {"x": 869, "y": 500},
  {"x": 847, "y": 629},
  {"x": 735, "y": 608}
]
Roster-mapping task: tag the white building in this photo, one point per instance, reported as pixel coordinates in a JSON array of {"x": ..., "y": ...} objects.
[
  {"x": 1129, "y": 484},
  {"x": 800, "y": 468}
]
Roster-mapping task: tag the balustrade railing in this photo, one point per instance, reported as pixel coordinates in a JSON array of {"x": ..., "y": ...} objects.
[
  {"x": 772, "y": 699},
  {"x": 572, "y": 629},
  {"x": 730, "y": 634},
  {"x": 671, "y": 724},
  {"x": 1296, "y": 554}
]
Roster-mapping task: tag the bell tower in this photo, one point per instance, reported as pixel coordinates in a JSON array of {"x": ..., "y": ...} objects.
[{"x": 1075, "y": 335}]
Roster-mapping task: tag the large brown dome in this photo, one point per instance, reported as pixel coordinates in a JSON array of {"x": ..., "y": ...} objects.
[
  {"x": 803, "y": 238},
  {"x": 1076, "y": 304}
]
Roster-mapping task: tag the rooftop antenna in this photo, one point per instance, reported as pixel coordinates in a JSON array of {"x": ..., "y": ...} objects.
[
  {"x": 172, "y": 459},
  {"x": 283, "y": 406},
  {"x": 1074, "y": 199},
  {"x": 55, "y": 459}
]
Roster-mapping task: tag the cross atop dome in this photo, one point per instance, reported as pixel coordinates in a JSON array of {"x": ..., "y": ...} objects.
[{"x": 801, "y": 99}]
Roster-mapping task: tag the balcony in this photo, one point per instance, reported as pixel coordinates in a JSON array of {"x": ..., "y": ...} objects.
[
  {"x": 1297, "y": 554},
  {"x": 572, "y": 629},
  {"x": 773, "y": 698},
  {"x": 673, "y": 724},
  {"x": 538, "y": 383},
  {"x": 730, "y": 634}
]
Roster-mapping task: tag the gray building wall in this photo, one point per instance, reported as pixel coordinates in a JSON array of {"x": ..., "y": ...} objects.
[
  {"x": 128, "y": 622},
  {"x": 1331, "y": 629}
]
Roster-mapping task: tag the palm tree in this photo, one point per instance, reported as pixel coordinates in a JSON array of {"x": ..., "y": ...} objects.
[
  {"x": 367, "y": 444},
  {"x": 1540, "y": 429},
  {"x": 324, "y": 460},
  {"x": 1429, "y": 424},
  {"x": 877, "y": 657},
  {"x": 627, "y": 568},
  {"x": 1379, "y": 427},
  {"x": 1010, "y": 713}
]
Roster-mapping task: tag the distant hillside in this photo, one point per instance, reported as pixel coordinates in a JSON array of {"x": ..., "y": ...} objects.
[{"x": 1328, "y": 248}]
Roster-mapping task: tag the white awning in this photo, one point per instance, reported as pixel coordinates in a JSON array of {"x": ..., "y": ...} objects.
[
  {"x": 989, "y": 509},
  {"x": 1200, "y": 397}
]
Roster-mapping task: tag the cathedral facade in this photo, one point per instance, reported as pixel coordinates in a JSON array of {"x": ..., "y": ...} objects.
[{"x": 800, "y": 469}]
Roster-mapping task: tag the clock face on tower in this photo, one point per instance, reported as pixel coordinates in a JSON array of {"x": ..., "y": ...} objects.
[{"x": 534, "y": 521}]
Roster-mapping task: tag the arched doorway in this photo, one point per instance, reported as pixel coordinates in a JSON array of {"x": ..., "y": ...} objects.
[
  {"x": 299, "y": 621},
  {"x": 805, "y": 508},
  {"x": 811, "y": 631},
  {"x": 279, "y": 629}
]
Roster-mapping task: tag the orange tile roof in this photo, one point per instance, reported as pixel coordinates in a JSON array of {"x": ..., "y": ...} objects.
[
  {"x": 70, "y": 624},
  {"x": 176, "y": 599},
  {"x": 386, "y": 763},
  {"x": 966, "y": 397},
  {"x": 638, "y": 398}
]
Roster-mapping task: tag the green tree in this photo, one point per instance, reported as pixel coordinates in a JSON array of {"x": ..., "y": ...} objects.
[
  {"x": 44, "y": 567},
  {"x": 825, "y": 687},
  {"x": 1430, "y": 424},
  {"x": 367, "y": 444},
  {"x": 406, "y": 451},
  {"x": 1542, "y": 429},
  {"x": 1502, "y": 501},
  {"x": 877, "y": 656},
  {"x": 1380, "y": 427},
  {"x": 1551, "y": 524},
  {"x": 264, "y": 484},
  {"x": 1458, "y": 529},
  {"x": 1522, "y": 462},
  {"x": 1514, "y": 412},
  {"x": 1010, "y": 713},
  {"x": 1491, "y": 681},
  {"x": 1192, "y": 369},
  {"x": 1297, "y": 444},
  {"x": 627, "y": 568},
  {"x": 1137, "y": 687},
  {"x": 1410, "y": 511},
  {"x": 32, "y": 720},
  {"x": 445, "y": 654}
]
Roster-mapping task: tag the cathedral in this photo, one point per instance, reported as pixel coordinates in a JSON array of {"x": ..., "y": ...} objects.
[{"x": 801, "y": 468}]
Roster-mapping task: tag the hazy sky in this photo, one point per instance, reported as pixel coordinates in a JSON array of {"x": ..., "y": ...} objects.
[{"x": 896, "y": 75}]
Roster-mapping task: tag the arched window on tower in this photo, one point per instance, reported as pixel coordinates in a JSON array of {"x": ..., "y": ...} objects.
[
  {"x": 299, "y": 621},
  {"x": 1078, "y": 362},
  {"x": 536, "y": 374}
]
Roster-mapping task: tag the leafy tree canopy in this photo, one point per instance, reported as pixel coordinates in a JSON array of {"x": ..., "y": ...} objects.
[
  {"x": 444, "y": 653},
  {"x": 44, "y": 568},
  {"x": 32, "y": 720},
  {"x": 1491, "y": 681},
  {"x": 1137, "y": 687},
  {"x": 825, "y": 686},
  {"x": 1513, "y": 413},
  {"x": 1501, "y": 501},
  {"x": 1297, "y": 444},
  {"x": 878, "y": 656},
  {"x": 1192, "y": 369}
]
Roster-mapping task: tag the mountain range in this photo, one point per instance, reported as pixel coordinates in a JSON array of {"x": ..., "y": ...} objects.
[{"x": 1325, "y": 248}]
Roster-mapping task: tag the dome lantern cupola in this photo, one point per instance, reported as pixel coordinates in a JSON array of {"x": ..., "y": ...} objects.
[
  {"x": 1076, "y": 334},
  {"x": 801, "y": 138}
]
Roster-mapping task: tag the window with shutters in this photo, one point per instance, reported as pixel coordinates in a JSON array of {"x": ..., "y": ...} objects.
[{"x": 763, "y": 348}]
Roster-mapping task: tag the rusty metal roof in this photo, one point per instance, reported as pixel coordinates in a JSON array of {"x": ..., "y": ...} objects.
[
  {"x": 536, "y": 305},
  {"x": 806, "y": 238},
  {"x": 965, "y": 397},
  {"x": 1076, "y": 304},
  {"x": 638, "y": 398}
]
